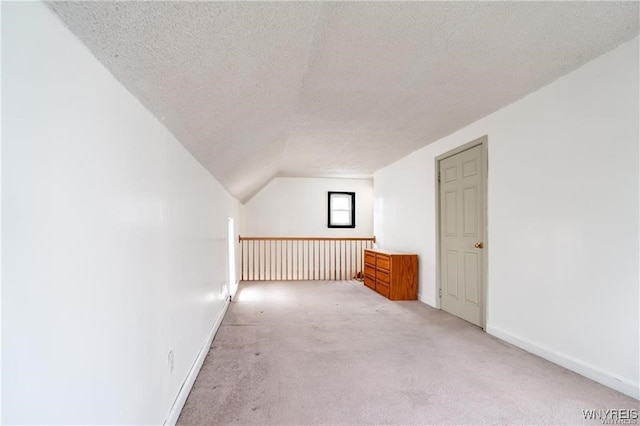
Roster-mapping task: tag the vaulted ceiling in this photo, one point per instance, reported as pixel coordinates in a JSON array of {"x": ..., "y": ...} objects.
[{"x": 261, "y": 89}]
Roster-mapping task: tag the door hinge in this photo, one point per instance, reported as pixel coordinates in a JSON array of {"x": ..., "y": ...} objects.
[
  {"x": 438, "y": 176},
  {"x": 439, "y": 292}
]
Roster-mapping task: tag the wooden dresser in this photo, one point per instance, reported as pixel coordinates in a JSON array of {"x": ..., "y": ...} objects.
[{"x": 393, "y": 275}]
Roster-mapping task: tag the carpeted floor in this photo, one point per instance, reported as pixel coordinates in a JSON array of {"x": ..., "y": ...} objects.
[{"x": 320, "y": 352}]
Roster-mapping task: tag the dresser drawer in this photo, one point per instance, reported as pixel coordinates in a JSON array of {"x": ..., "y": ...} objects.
[
  {"x": 383, "y": 262},
  {"x": 383, "y": 276},
  {"x": 370, "y": 282},
  {"x": 369, "y": 270},
  {"x": 382, "y": 289},
  {"x": 369, "y": 258}
]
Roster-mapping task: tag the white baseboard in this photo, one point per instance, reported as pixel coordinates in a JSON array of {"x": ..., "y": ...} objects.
[
  {"x": 234, "y": 289},
  {"x": 427, "y": 300},
  {"x": 621, "y": 384},
  {"x": 174, "y": 413}
]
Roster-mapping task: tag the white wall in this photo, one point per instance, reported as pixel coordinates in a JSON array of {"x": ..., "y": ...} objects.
[
  {"x": 114, "y": 239},
  {"x": 562, "y": 218},
  {"x": 297, "y": 207}
]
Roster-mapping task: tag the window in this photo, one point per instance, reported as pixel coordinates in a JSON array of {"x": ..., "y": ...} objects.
[{"x": 342, "y": 210}]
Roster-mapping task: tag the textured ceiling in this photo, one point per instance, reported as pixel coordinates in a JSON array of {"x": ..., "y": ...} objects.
[{"x": 261, "y": 89}]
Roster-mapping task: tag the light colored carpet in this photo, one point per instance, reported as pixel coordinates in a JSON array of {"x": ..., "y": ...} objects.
[{"x": 318, "y": 352}]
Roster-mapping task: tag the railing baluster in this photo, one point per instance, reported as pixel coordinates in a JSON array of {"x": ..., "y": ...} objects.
[
  {"x": 342, "y": 265},
  {"x": 350, "y": 255},
  {"x": 310, "y": 257},
  {"x": 280, "y": 243},
  {"x": 309, "y": 260},
  {"x": 360, "y": 259},
  {"x": 352, "y": 274},
  {"x": 334, "y": 261},
  {"x": 324, "y": 260},
  {"x": 313, "y": 258},
  {"x": 339, "y": 260},
  {"x": 270, "y": 251},
  {"x": 346, "y": 258}
]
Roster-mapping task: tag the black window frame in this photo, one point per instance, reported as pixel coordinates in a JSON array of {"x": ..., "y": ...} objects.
[{"x": 352, "y": 195}]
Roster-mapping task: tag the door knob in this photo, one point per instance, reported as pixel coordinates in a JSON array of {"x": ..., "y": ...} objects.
[{"x": 479, "y": 245}]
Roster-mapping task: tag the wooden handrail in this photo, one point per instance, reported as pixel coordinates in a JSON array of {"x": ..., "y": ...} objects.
[
  {"x": 303, "y": 258},
  {"x": 241, "y": 238}
]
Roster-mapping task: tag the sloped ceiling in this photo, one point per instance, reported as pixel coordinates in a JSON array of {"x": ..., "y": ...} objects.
[{"x": 261, "y": 89}]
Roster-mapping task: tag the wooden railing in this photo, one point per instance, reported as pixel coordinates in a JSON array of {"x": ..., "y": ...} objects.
[{"x": 302, "y": 258}]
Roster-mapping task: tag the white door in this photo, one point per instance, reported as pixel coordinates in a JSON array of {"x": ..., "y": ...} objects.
[{"x": 462, "y": 202}]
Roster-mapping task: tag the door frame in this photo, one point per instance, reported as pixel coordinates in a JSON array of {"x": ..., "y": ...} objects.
[{"x": 483, "y": 142}]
